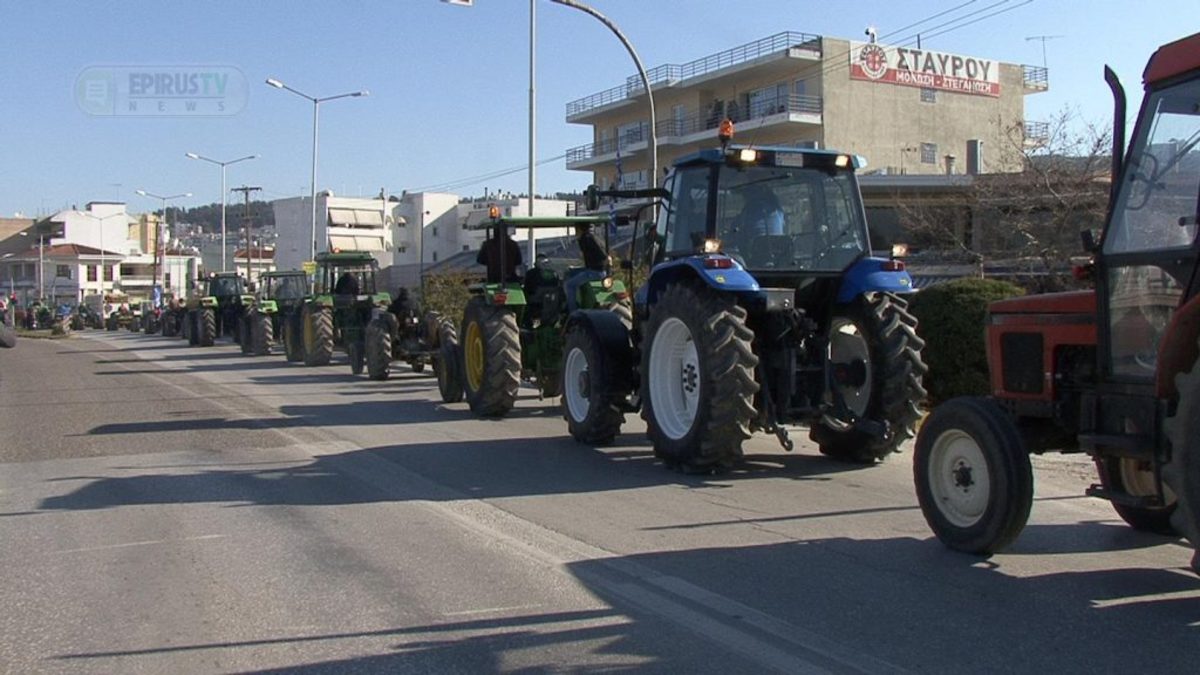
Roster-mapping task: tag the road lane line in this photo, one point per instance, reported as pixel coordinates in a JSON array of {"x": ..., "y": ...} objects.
[{"x": 152, "y": 542}]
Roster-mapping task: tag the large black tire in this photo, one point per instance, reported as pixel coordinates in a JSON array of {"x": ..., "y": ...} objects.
[
  {"x": 244, "y": 338},
  {"x": 110, "y": 324},
  {"x": 1182, "y": 473},
  {"x": 379, "y": 349},
  {"x": 589, "y": 405},
  {"x": 189, "y": 327},
  {"x": 448, "y": 365},
  {"x": 697, "y": 381},
  {"x": 207, "y": 328},
  {"x": 1133, "y": 477},
  {"x": 973, "y": 477},
  {"x": 357, "y": 358},
  {"x": 318, "y": 336},
  {"x": 491, "y": 345},
  {"x": 293, "y": 344},
  {"x": 879, "y": 332},
  {"x": 263, "y": 337}
]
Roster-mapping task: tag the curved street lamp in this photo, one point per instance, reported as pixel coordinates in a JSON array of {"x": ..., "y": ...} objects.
[
  {"x": 158, "y": 234},
  {"x": 316, "y": 101}
]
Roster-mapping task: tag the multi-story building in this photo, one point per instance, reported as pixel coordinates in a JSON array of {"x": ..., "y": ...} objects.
[
  {"x": 906, "y": 110},
  {"x": 343, "y": 223}
]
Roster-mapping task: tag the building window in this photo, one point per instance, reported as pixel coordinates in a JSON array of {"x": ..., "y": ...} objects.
[
  {"x": 435, "y": 256},
  {"x": 167, "y": 279},
  {"x": 800, "y": 88},
  {"x": 434, "y": 230},
  {"x": 127, "y": 270},
  {"x": 91, "y": 273},
  {"x": 929, "y": 153},
  {"x": 928, "y": 95},
  {"x": 109, "y": 272},
  {"x": 466, "y": 247},
  {"x": 62, "y": 271}
]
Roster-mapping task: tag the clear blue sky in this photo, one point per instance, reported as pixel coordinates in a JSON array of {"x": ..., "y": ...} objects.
[{"x": 449, "y": 85}]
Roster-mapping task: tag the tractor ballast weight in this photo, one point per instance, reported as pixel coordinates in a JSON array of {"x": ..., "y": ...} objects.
[
  {"x": 763, "y": 309},
  {"x": 508, "y": 335},
  {"x": 1113, "y": 371}
]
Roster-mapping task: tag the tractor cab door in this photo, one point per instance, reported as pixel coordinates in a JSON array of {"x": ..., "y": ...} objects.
[{"x": 1147, "y": 266}]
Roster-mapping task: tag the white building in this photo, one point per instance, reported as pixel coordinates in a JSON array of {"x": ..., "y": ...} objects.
[{"x": 343, "y": 223}]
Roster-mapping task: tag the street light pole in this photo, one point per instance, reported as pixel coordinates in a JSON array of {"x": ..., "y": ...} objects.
[
  {"x": 192, "y": 155},
  {"x": 101, "y": 219},
  {"x": 532, "y": 121},
  {"x": 158, "y": 239},
  {"x": 316, "y": 101}
]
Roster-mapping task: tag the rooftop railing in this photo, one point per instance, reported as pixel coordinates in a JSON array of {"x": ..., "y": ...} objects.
[
  {"x": 671, "y": 72},
  {"x": 1035, "y": 77}
]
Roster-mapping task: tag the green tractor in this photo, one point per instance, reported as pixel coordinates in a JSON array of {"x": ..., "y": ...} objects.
[
  {"x": 278, "y": 301},
  {"x": 217, "y": 309},
  {"x": 343, "y": 302},
  {"x": 400, "y": 334},
  {"x": 513, "y": 329}
]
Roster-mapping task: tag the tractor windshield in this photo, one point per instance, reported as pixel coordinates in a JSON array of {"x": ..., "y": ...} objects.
[
  {"x": 1157, "y": 205},
  {"x": 771, "y": 218},
  {"x": 287, "y": 288},
  {"x": 351, "y": 279},
  {"x": 225, "y": 286}
]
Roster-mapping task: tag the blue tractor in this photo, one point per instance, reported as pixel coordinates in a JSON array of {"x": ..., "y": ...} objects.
[{"x": 763, "y": 309}]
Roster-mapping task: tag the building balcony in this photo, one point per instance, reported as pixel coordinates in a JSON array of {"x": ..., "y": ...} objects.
[
  {"x": 781, "y": 46},
  {"x": 1037, "y": 134},
  {"x": 697, "y": 126},
  {"x": 1035, "y": 79}
]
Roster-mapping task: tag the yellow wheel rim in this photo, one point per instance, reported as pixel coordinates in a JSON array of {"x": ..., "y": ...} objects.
[{"x": 473, "y": 352}]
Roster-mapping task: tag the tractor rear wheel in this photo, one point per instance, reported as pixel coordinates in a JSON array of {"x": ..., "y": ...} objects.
[
  {"x": 189, "y": 327},
  {"x": 357, "y": 357},
  {"x": 589, "y": 405},
  {"x": 698, "y": 382},
  {"x": 293, "y": 344},
  {"x": 379, "y": 349},
  {"x": 318, "y": 336},
  {"x": 207, "y": 328},
  {"x": 448, "y": 366},
  {"x": 491, "y": 358},
  {"x": 244, "y": 339},
  {"x": 1133, "y": 477},
  {"x": 264, "y": 334},
  {"x": 1182, "y": 473},
  {"x": 973, "y": 477},
  {"x": 875, "y": 368}
]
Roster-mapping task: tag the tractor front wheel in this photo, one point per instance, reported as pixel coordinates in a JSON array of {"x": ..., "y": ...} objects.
[
  {"x": 448, "y": 365},
  {"x": 357, "y": 357},
  {"x": 698, "y": 378},
  {"x": 973, "y": 477},
  {"x": 244, "y": 339},
  {"x": 874, "y": 380},
  {"x": 491, "y": 358},
  {"x": 1182, "y": 473},
  {"x": 293, "y": 344},
  {"x": 318, "y": 336},
  {"x": 589, "y": 405},
  {"x": 264, "y": 334},
  {"x": 207, "y": 332},
  {"x": 379, "y": 349}
]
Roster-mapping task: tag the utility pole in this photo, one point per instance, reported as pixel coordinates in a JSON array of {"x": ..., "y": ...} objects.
[{"x": 246, "y": 220}]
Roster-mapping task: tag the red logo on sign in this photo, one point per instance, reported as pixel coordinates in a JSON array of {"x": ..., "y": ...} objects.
[{"x": 873, "y": 61}]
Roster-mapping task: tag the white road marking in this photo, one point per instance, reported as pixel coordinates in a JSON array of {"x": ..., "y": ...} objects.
[
  {"x": 154, "y": 542},
  {"x": 489, "y": 610}
]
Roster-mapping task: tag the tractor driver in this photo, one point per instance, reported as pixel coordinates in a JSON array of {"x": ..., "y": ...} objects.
[
  {"x": 489, "y": 255},
  {"x": 761, "y": 216},
  {"x": 347, "y": 284},
  {"x": 594, "y": 259}
]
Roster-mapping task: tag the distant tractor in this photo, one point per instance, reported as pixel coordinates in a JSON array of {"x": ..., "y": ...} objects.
[
  {"x": 344, "y": 300},
  {"x": 216, "y": 308},
  {"x": 763, "y": 309},
  {"x": 508, "y": 335},
  {"x": 400, "y": 333},
  {"x": 277, "y": 304},
  {"x": 1112, "y": 372}
]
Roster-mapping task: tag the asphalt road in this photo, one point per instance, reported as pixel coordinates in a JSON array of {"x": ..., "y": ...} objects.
[{"x": 175, "y": 509}]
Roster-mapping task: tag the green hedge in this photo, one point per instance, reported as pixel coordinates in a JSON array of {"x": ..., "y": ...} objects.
[{"x": 951, "y": 317}]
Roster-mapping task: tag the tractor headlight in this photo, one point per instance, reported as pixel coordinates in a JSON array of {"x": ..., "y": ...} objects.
[
  {"x": 712, "y": 245},
  {"x": 607, "y": 283}
]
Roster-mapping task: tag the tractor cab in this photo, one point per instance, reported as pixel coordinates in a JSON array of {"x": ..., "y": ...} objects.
[
  {"x": 348, "y": 277},
  {"x": 288, "y": 287}
]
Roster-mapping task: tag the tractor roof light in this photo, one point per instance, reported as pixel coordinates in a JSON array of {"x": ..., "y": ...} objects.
[
  {"x": 842, "y": 161},
  {"x": 493, "y": 212},
  {"x": 725, "y": 132},
  {"x": 718, "y": 262},
  {"x": 747, "y": 155},
  {"x": 712, "y": 245}
]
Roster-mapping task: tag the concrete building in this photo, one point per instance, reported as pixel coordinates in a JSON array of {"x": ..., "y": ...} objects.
[
  {"x": 252, "y": 263},
  {"x": 441, "y": 224},
  {"x": 344, "y": 223},
  {"x": 908, "y": 111}
]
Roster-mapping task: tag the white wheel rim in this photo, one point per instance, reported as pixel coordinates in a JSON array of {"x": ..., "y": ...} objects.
[
  {"x": 959, "y": 478},
  {"x": 1138, "y": 480},
  {"x": 575, "y": 390},
  {"x": 674, "y": 378},
  {"x": 847, "y": 345}
]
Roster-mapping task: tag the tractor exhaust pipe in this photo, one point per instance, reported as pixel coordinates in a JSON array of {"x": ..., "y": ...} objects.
[{"x": 1118, "y": 131}]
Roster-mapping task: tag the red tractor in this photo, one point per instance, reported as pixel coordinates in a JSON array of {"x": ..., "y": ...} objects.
[{"x": 1112, "y": 372}]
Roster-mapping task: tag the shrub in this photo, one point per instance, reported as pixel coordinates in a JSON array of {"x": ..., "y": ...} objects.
[
  {"x": 951, "y": 317},
  {"x": 447, "y": 293}
]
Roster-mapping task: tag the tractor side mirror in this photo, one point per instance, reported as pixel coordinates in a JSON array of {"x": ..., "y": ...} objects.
[
  {"x": 591, "y": 198},
  {"x": 1088, "y": 238}
]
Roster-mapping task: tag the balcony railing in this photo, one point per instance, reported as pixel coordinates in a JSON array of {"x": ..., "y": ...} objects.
[
  {"x": 1036, "y": 77},
  {"x": 672, "y": 72},
  {"x": 1037, "y": 132},
  {"x": 697, "y": 121}
]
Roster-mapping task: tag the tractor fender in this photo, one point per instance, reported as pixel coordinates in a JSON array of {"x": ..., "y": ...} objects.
[
  {"x": 871, "y": 275},
  {"x": 208, "y": 301},
  {"x": 1178, "y": 350},
  {"x": 716, "y": 271},
  {"x": 393, "y": 323},
  {"x": 616, "y": 345}
]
